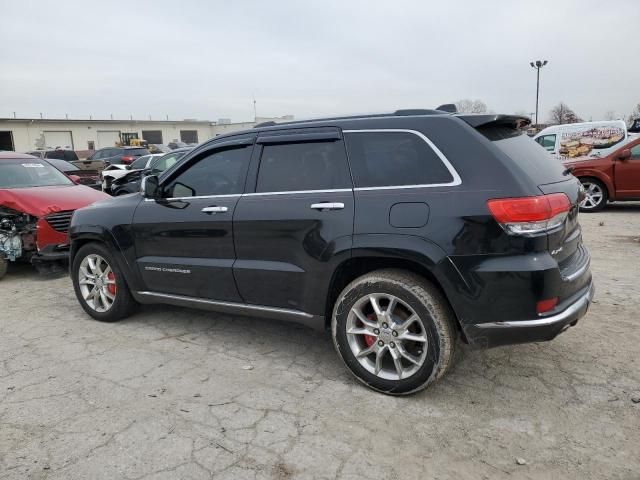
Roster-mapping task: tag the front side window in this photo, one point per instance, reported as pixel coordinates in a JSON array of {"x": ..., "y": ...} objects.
[
  {"x": 290, "y": 167},
  {"x": 165, "y": 162},
  {"x": 548, "y": 142},
  {"x": 221, "y": 172},
  {"x": 140, "y": 163},
  {"x": 383, "y": 159},
  {"x": 635, "y": 152}
]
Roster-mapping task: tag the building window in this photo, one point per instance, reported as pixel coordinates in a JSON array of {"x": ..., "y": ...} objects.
[
  {"x": 152, "y": 136},
  {"x": 189, "y": 136}
]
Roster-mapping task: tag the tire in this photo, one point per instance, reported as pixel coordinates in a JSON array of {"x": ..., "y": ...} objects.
[
  {"x": 414, "y": 295},
  {"x": 597, "y": 195},
  {"x": 119, "y": 303},
  {"x": 4, "y": 265}
]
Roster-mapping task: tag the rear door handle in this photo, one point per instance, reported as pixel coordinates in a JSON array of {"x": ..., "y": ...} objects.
[
  {"x": 215, "y": 209},
  {"x": 328, "y": 206}
]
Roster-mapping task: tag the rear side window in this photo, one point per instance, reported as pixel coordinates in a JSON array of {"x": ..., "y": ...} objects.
[
  {"x": 290, "y": 167},
  {"x": 394, "y": 158},
  {"x": 58, "y": 154}
]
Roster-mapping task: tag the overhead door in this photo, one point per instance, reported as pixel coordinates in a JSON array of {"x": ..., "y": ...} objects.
[
  {"x": 152, "y": 136},
  {"x": 189, "y": 136},
  {"x": 58, "y": 139},
  {"x": 6, "y": 141},
  {"x": 108, "y": 138}
]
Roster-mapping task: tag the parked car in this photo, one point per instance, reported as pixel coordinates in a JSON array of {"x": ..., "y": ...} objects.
[
  {"x": 36, "y": 204},
  {"x": 58, "y": 153},
  {"x": 398, "y": 232},
  {"x": 82, "y": 177},
  {"x": 112, "y": 155},
  {"x": 583, "y": 140},
  {"x": 130, "y": 181},
  {"x": 614, "y": 177},
  {"x": 176, "y": 144},
  {"x": 114, "y": 172}
]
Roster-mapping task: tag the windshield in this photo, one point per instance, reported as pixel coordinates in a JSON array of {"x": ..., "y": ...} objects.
[
  {"x": 30, "y": 173},
  {"x": 140, "y": 163}
]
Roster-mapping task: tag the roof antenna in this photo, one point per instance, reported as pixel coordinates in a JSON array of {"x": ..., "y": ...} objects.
[{"x": 448, "y": 107}]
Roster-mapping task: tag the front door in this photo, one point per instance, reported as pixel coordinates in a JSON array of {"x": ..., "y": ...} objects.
[
  {"x": 296, "y": 226},
  {"x": 627, "y": 174},
  {"x": 184, "y": 240}
]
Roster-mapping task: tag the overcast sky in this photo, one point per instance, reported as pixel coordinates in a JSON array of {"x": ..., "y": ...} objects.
[{"x": 208, "y": 59}]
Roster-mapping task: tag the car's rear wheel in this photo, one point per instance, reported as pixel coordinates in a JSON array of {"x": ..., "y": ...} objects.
[
  {"x": 394, "y": 330},
  {"x": 596, "y": 195},
  {"x": 99, "y": 284}
]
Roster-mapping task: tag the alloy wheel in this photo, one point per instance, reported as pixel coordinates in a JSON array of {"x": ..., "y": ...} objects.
[
  {"x": 386, "y": 336},
  {"x": 594, "y": 195},
  {"x": 97, "y": 283}
]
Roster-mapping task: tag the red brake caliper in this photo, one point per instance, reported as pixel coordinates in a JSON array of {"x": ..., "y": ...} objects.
[
  {"x": 112, "y": 286},
  {"x": 369, "y": 339}
]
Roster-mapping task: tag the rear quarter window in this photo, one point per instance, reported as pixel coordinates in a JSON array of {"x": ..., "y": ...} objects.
[{"x": 394, "y": 158}]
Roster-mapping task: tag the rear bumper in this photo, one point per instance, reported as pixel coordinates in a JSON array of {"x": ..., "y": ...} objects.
[{"x": 543, "y": 328}]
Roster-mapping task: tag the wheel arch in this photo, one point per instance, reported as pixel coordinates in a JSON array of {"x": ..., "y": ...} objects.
[{"x": 604, "y": 179}]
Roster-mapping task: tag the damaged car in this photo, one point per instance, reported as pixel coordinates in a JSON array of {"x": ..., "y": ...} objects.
[{"x": 36, "y": 205}]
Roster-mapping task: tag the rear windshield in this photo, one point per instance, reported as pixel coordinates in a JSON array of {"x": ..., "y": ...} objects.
[
  {"x": 536, "y": 162},
  {"x": 136, "y": 152}
]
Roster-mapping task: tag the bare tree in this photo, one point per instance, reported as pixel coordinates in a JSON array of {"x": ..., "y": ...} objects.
[
  {"x": 467, "y": 105},
  {"x": 610, "y": 115},
  {"x": 635, "y": 113},
  {"x": 561, "y": 113}
]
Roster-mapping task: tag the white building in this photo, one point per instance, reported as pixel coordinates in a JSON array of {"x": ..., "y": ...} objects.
[{"x": 25, "y": 134}]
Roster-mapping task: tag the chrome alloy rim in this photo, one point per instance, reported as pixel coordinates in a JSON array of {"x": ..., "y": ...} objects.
[
  {"x": 594, "y": 195},
  {"x": 386, "y": 336},
  {"x": 97, "y": 283}
]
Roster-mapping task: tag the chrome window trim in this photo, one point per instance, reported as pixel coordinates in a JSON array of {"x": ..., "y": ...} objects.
[
  {"x": 293, "y": 192},
  {"x": 454, "y": 174},
  {"x": 230, "y": 195}
]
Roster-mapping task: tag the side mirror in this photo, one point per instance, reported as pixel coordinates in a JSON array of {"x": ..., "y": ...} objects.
[
  {"x": 625, "y": 154},
  {"x": 128, "y": 167},
  {"x": 149, "y": 187},
  {"x": 75, "y": 179}
]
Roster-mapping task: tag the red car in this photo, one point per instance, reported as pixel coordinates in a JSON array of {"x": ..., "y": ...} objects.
[
  {"x": 36, "y": 204},
  {"x": 615, "y": 177}
]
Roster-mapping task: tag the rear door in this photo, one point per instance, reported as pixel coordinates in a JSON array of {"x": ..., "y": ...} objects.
[
  {"x": 296, "y": 224},
  {"x": 184, "y": 241}
]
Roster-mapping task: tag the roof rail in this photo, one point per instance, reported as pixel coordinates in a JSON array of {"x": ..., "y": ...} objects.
[
  {"x": 415, "y": 111},
  {"x": 270, "y": 123}
]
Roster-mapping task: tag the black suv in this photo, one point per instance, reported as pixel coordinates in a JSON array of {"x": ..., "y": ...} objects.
[
  {"x": 398, "y": 232},
  {"x": 115, "y": 155}
]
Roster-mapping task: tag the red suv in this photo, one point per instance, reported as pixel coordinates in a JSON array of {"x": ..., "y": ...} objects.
[
  {"x": 36, "y": 204},
  {"x": 615, "y": 177}
]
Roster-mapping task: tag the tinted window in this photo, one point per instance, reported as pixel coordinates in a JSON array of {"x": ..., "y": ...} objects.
[
  {"x": 219, "y": 173},
  {"x": 635, "y": 152},
  {"x": 382, "y": 159},
  {"x": 59, "y": 154},
  {"x": 303, "y": 166},
  {"x": 547, "y": 141}
]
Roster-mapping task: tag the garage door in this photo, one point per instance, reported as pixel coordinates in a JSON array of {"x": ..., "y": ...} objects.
[
  {"x": 108, "y": 138},
  {"x": 189, "y": 136},
  {"x": 58, "y": 139},
  {"x": 152, "y": 136}
]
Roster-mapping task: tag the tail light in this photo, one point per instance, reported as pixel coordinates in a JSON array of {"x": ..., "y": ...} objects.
[
  {"x": 127, "y": 158},
  {"x": 530, "y": 215},
  {"x": 544, "y": 306}
]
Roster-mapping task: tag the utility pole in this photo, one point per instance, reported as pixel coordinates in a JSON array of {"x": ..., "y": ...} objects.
[
  {"x": 538, "y": 64},
  {"x": 255, "y": 110}
]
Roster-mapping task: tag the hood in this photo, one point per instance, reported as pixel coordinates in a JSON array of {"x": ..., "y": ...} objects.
[
  {"x": 40, "y": 201},
  {"x": 130, "y": 176}
]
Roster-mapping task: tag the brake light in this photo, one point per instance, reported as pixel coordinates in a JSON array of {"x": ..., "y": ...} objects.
[
  {"x": 530, "y": 215},
  {"x": 127, "y": 158}
]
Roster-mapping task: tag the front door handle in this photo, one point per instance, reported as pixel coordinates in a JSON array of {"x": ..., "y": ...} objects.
[
  {"x": 328, "y": 206},
  {"x": 214, "y": 209}
]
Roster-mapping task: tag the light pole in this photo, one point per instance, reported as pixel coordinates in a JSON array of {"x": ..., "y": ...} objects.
[{"x": 538, "y": 64}]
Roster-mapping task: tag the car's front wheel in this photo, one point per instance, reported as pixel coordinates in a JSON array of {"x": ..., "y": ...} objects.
[
  {"x": 595, "y": 195},
  {"x": 394, "y": 330},
  {"x": 99, "y": 284}
]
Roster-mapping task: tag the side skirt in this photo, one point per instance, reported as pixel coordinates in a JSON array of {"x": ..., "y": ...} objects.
[{"x": 284, "y": 314}]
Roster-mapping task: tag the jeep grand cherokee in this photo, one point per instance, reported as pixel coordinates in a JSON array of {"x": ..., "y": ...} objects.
[{"x": 400, "y": 233}]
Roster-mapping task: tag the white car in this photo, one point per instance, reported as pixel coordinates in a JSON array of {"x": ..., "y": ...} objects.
[{"x": 113, "y": 172}]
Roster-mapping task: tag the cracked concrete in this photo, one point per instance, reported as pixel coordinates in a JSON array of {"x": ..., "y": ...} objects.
[{"x": 163, "y": 395}]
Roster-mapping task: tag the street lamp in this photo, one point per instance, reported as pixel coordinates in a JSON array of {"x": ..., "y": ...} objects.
[{"x": 538, "y": 64}]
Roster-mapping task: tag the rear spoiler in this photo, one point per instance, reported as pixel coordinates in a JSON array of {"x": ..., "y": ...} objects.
[{"x": 515, "y": 122}]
